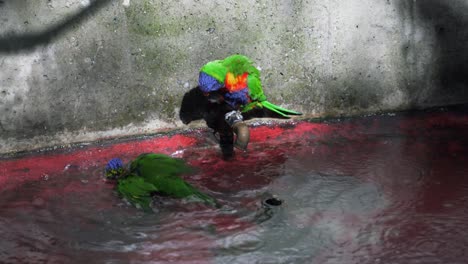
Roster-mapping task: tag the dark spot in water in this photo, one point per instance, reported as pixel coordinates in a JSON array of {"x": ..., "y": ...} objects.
[{"x": 273, "y": 201}]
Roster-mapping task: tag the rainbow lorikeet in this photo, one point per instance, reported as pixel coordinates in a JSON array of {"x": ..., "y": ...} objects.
[
  {"x": 238, "y": 81},
  {"x": 153, "y": 174}
]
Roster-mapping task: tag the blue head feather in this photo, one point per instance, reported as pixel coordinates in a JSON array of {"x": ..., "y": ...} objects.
[
  {"x": 237, "y": 98},
  {"x": 114, "y": 164},
  {"x": 208, "y": 84},
  {"x": 114, "y": 168}
]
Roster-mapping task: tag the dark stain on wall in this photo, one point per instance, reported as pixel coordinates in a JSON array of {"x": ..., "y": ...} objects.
[{"x": 447, "y": 23}]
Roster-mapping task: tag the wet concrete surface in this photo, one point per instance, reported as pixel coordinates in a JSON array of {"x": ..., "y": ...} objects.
[{"x": 388, "y": 188}]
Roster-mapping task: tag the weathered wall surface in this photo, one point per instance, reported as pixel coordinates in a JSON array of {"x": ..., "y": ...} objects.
[{"x": 78, "y": 70}]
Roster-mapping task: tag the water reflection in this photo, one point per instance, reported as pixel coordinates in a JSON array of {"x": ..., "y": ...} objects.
[{"x": 379, "y": 189}]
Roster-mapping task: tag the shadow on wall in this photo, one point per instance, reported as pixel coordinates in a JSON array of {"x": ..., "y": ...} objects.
[
  {"x": 15, "y": 43},
  {"x": 448, "y": 22}
]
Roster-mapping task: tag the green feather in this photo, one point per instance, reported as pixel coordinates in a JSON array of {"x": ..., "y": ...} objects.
[
  {"x": 157, "y": 173},
  {"x": 152, "y": 165},
  {"x": 279, "y": 110},
  {"x": 255, "y": 88},
  {"x": 238, "y": 65},
  {"x": 216, "y": 69},
  {"x": 136, "y": 191}
]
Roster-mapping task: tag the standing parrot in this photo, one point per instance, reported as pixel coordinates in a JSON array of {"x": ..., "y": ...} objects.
[
  {"x": 229, "y": 91},
  {"x": 234, "y": 93},
  {"x": 153, "y": 174}
]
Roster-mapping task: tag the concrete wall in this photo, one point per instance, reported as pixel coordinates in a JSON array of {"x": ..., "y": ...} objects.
[{"x": 79, "y": 70}]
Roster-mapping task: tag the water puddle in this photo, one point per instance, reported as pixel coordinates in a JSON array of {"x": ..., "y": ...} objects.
[{"x": 378, "y": 189}]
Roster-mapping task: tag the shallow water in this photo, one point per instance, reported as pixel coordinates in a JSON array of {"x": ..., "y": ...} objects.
[{"x": 379, "y": 189}]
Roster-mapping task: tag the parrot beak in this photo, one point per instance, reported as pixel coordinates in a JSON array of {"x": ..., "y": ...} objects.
[{"x": 243, "y": 135}]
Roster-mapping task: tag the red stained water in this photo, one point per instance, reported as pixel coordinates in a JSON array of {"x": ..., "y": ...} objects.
[{"x": 378, "y": 189}]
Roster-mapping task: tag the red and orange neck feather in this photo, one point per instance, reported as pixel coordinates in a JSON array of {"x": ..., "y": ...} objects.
[{"x": 235, "y": 83}]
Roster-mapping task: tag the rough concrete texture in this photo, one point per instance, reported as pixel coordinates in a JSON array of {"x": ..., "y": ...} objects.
[{"x": 80, "y": 70}]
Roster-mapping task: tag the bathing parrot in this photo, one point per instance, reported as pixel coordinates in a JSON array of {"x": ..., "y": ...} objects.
[
  {"x": 238, "y": 82},
  {"x": 153, "y": 174}
]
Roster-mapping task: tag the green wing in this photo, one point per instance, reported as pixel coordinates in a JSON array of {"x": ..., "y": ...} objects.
[
  {"x": 238, "y": 65},
  {"x": 153, "y": 165},
  {"x": 136, "y": 191},
  {"x": 255, "y": 88},
  {"x": 259, "y": 99},
  {"x": 164, "y": 173}
]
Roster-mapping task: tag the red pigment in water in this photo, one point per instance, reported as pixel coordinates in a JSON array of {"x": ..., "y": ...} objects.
[{"x": 418, "y": 161}]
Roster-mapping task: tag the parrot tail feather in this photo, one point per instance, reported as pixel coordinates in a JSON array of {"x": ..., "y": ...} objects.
[{"x": 279, "y": 110}]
